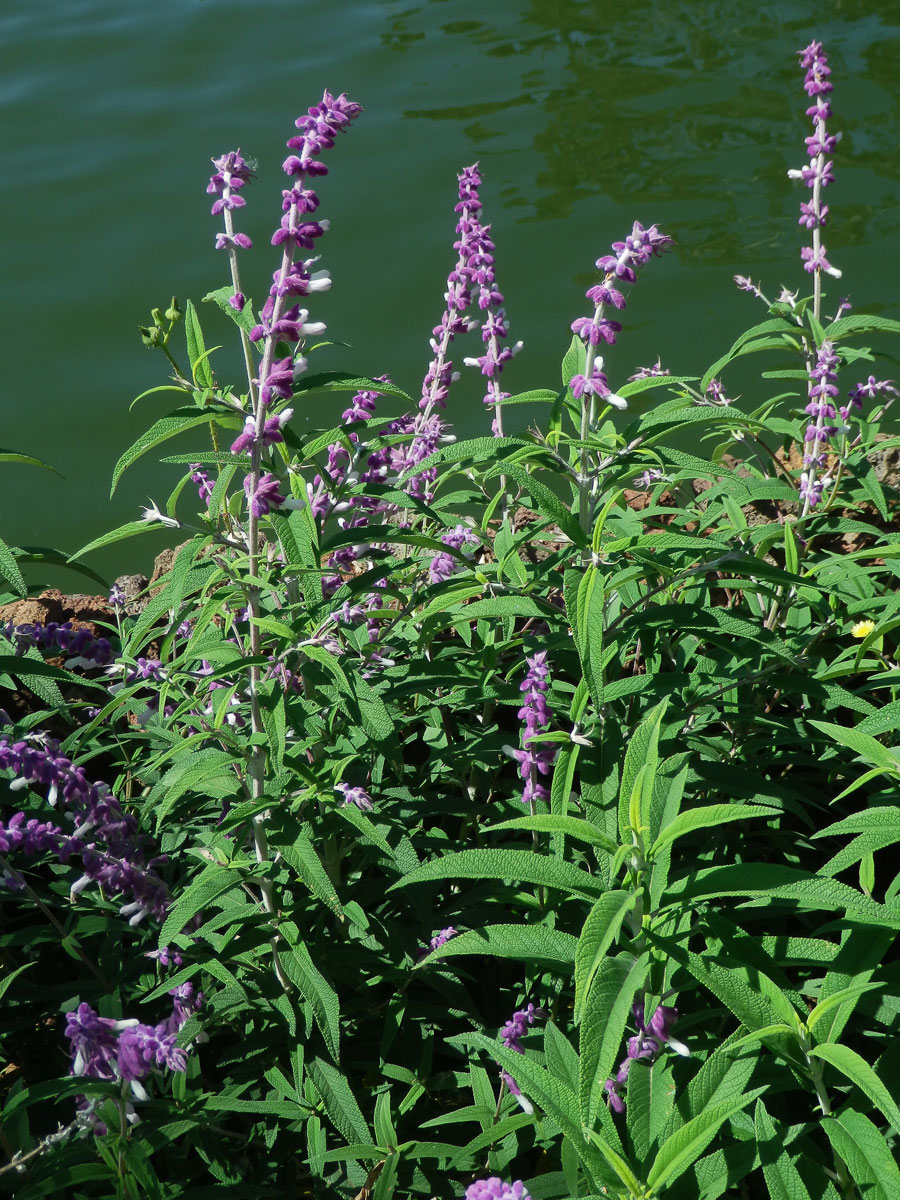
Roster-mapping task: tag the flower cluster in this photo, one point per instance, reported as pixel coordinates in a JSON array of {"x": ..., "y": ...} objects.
[
  {"x": 496, "y": 1189},
  {"x": 202, "y": 482},
  {"x": 443, "y": 565},
  {"x": 646, "y": 1044},
  {"x": 129, "y": 1050},
  {"x": 115, "y": 855},
  {"x": 86, "y": 650},
  {"x": 535, "y": 759},
  {"x": 819, "y": 145},
  {"x": 822, "y": 391},
  {"x": 511, "y": 1035}
]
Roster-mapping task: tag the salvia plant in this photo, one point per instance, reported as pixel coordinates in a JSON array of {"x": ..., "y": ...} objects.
[{"x": 494, "y": 818}]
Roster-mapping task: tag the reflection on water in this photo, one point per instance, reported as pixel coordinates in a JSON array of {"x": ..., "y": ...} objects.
[{"x": 584, "y": 116}]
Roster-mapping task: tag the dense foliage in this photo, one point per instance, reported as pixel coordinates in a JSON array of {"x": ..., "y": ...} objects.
[{"x": 510, "y": 816}]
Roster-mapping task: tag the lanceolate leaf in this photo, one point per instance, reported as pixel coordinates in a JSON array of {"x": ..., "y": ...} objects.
[
  {"x": 604, "y": 1016},
  {"x": 167, "y": 427},
  {"x": 316, "y": 991},
  {"x": 862, "y": 1147},
  {"x": 573, "y": 827},
  {"x": 505, "y": 864},
  {"x": 858, "y": 1071},
  {"x": 9, "y": 569},
  {"x": 529, "y": 943},
  {"x": 756, "y": 880},
  {"x": 599, "y": 932},
  {"x": 782, "y": 1177},
  {"x": 710, "y": 815},
  {"x": 688, "y": 1143},
  {"x": 342, "y": 1105}
]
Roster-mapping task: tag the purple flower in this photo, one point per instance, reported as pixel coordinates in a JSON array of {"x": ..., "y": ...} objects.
[
  {"x": 496, "y": 1189},
  {"x": 870, "y": 389},
  {"x": 94, "y": 1043},
  {"x": 114, "y": 857},
  {"x": 651, "y": 372},
  {"x": 646, "y": 1044},
  {"x": 265, "y": 496},
  {"x": 442, "y": 938},
  {"x": 518, "y": 1025},
  {"x": 597, "y": 385},
  {"x": 106, "y": 1049},
  {"x": 355, "y": 795},
  {"x": 202, "y": 481},
  {"x": 442, "y": 566},
  {"x": 271, "y": 432}
]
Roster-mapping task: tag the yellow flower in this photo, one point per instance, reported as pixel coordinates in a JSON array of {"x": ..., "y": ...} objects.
[{"x": 862, "y": 628}]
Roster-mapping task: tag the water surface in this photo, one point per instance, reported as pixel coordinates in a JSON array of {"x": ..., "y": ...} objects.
[{"x": 583, "y": 116}]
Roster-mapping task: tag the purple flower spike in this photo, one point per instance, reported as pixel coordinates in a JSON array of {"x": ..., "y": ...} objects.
[
  {"x": 818, "y": 174},
  {"x": 534, "y": 759},
  {"x": 823, "y": 391}
]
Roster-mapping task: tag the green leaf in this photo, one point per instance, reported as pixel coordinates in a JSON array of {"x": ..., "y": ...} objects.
[
  {"x": 376, "y": 719},
  {"x": 212, "y": 881},
  {"x": 842, "y": 994},
  {"x": 642, "y": 755},
  {"x": 528, "y": 943},
  {"x": 7, "y": 455},
  {"x": 178, "y": 421},
  {"x": 599, "y": 932},
  {"x": 552, "y": 1094},
  {"x": 686, "y": 1145},
  {"x": 862, "y": 744},
  {"x": 574, "y": 827},
  {"x": 301, "y": 856},
  {"x": 858, "y": 1071},
  {"x": 754, "y": 999},
  {"x": 619, "y": 1164},
  {"x": 12, "y": 976},
  {"x": 606, "y": 1009},
  {"x": 869, "y": 1160},
  {"x": 756, "y": 880},
  {"x": 861, "y": 323},
  {"x": 342, "y": 381},
  {"x": 9, "y": 569},
  {"x": 196, "y": 348},
  {"x": 244, "y": 319},
  {"x": 523, "y": 865},
  {"x": 48, "y": 555},
  {"x": 318, "y": 993},
  {"x": 712, "y": 814},
  {"x": 340, "y": 1103},
  {"x": 724, "y": 1076},
  {"x": 782, "y": 1177},
  {"x": 651, "y": 1094},
  {"x": 588, "y": 619}
]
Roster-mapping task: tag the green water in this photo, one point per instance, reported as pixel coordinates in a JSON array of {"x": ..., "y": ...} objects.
[{"x": 584, "y": 117}]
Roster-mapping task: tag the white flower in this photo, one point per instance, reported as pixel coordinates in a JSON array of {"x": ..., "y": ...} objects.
[{"x": 152, "y": 513}]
